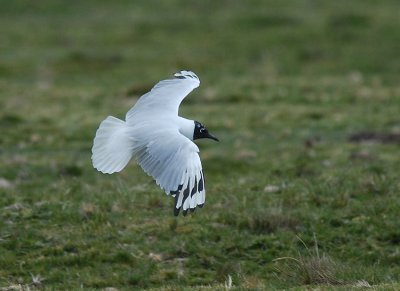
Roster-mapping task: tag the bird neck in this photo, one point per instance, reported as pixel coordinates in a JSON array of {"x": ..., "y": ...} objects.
[{"x": 186, "y": 127}]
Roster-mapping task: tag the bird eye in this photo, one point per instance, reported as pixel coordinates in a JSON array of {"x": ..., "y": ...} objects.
[{"x": 201, "y": 130}]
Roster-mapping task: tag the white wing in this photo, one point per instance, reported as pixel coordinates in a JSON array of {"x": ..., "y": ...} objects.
[
  {"x": 165, "y": 97},
  {"x": 174, "y": 162}
]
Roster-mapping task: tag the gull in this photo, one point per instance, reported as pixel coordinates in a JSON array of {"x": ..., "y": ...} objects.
[{"x": 159, "y": 140}]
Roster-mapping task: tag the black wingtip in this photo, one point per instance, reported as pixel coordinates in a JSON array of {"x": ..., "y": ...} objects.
[
  {"x": 185, "y": 212},
  {"x": 184, "y": 74},
  {"x": 176, "y": 210}
]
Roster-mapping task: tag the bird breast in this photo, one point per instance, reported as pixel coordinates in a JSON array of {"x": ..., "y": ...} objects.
[{"x": 186, "y": 127}]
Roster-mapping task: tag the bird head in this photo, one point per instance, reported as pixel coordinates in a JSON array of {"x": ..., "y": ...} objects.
[{"x": 200, "y": 131}]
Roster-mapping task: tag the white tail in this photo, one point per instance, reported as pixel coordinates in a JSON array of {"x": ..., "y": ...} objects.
[{"x": 112, "y": 147}]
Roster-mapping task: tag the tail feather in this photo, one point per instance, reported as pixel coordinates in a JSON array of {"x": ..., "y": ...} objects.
[{"x": 112, "y": 147}]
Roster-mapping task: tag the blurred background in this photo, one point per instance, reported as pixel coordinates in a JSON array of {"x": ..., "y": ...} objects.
[{"x": 303, "y": 94}]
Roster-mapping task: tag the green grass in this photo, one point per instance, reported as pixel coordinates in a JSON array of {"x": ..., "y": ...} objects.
[{"x": 285, "y": 84}]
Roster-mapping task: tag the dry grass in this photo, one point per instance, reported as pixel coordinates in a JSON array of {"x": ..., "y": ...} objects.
[{"x": 310, "y": 269}]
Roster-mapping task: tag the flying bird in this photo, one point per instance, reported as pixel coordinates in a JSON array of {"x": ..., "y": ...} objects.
[{"x": 159, "y": 140}]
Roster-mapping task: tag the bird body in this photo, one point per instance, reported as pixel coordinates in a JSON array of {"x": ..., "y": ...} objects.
[{"x": 159, "y": 140}]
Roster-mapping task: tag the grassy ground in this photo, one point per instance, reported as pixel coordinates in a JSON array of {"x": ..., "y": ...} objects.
[{"x": 303, "y": 189}]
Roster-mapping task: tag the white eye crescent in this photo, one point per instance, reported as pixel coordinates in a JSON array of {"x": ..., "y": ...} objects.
[{"x": 201, "y": 130}]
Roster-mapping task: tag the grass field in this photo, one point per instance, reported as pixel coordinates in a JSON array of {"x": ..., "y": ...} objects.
[{"x": 302, "y": 190}]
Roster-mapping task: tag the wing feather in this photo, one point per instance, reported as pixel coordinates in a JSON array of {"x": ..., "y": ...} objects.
[
  {"x": 173, "y": 161},
  {"x": 165, "y": 97}
]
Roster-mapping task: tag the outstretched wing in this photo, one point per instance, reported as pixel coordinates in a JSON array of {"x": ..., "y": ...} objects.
[
  {"x": 165, "y": 97},
  {"x": 173, "y": 161}
]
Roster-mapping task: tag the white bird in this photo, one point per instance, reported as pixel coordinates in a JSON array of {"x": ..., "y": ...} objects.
[{"x": 159, "y": 140}]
